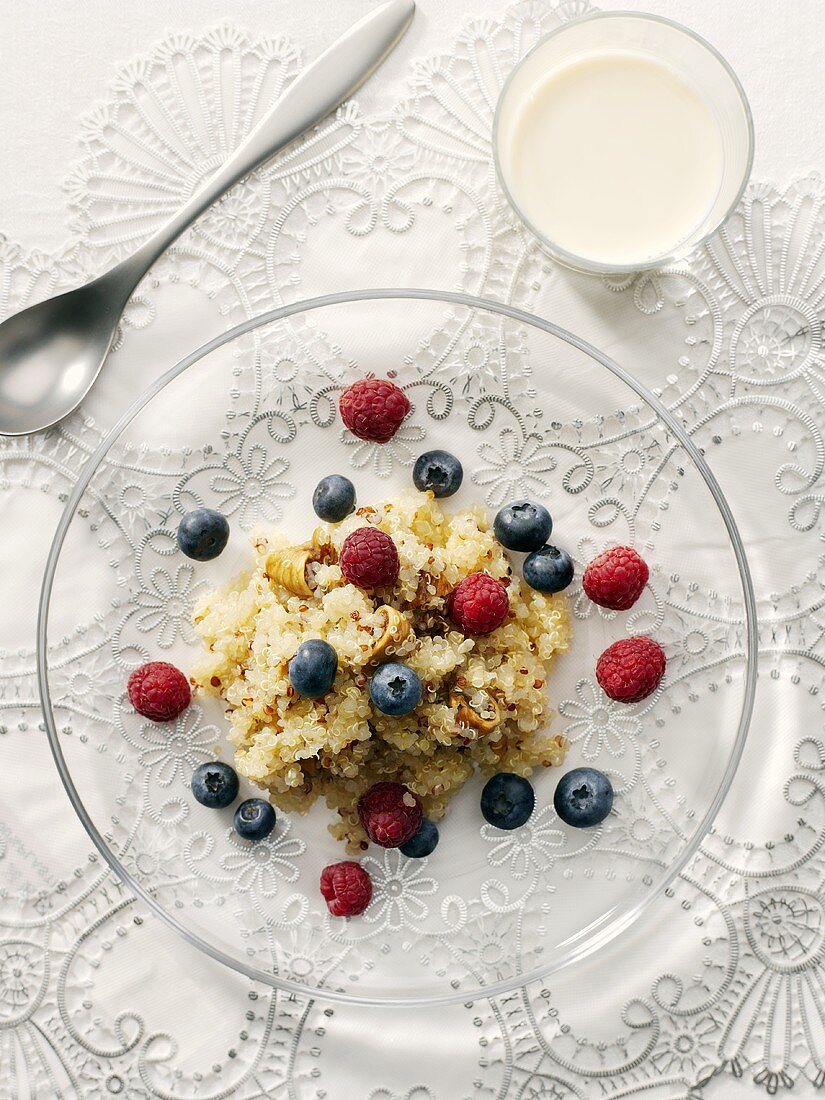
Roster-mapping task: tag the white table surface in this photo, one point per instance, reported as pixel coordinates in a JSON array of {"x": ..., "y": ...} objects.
[{"x": 58, "y": 59}]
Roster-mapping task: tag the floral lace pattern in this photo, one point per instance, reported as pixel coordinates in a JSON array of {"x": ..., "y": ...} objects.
[{"x": 735, "y": 983}]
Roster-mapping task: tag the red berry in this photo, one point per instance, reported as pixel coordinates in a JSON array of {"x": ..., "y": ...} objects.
[
  {"x": 616, "y": 578},
  {"x": 390, "y": 813},
  {"x": 478, "y": 604},
  {"x": 373, "y": 409},
  {"x": 631, "y": 669},
  {"x": 369, "y": 558},
  {"x": 159, "y": 691},
  {"x": 346, "y": 887}
]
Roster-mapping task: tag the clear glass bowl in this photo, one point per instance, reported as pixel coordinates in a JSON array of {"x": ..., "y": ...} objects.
[
  {"x": 248, "y": 424},
  {"x": 686, "y": 53}
]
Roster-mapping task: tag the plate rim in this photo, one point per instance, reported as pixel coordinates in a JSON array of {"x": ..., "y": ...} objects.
[{"x": 611, "y": 926}]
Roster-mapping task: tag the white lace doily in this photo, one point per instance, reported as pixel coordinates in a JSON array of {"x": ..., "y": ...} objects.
[{"x": 725, "y": 979}]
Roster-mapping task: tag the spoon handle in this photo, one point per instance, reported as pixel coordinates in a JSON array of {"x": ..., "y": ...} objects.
[{"x": 318, "y": 90}]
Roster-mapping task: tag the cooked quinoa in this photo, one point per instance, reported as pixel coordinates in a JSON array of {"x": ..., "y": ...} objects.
[{"x": 485, "y": 700}]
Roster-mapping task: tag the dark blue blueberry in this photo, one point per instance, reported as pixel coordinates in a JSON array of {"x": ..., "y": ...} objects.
[
  {"x": 334, "y": 498},
  {"x": 507, "y": 800},
  {"x": 254, "y": 819},
  {"x": 215, "y": 785},
  {"x": 423, "y": 843},
  {"x": 395, "y": 689},
  {"x": 548, "y": 569},
  {"x": 523, "y": 525},
  {"x": 438, "y": 471},
  {"x": 203, "y": 533},
  {"x": 312, "y": 669},
  {"x": 583, "y": 797}
]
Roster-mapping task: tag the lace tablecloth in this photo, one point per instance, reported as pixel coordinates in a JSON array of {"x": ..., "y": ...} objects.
[{"x": 720, "y": 990}]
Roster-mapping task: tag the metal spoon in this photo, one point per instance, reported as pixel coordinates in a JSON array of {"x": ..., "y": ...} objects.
[{"x": 51, "y": 353}]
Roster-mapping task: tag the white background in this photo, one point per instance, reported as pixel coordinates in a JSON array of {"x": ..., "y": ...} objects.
[{"x": 58, "y": 58}]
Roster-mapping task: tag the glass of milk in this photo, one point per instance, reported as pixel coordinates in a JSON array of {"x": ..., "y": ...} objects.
[{"x": 622, "y": 141}]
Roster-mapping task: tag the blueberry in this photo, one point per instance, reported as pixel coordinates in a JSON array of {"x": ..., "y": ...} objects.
[
  {"x": 507, "y": 800},
  {"x": 254, "y": 819},
  {"x": 583, "y": 797},
  {"x": 203, "y": 533},
  {"x": 523, "y": 525},
  {"x": 334, "y": 498},
  {"x": 312, "y": 669},
  {"x": 395, "y": 689},
  {"x": 423, "y": 843},
  {"x": 438, "y": 471},
  {"x": 215, "y": 785},
  {"x": 548, "y": 569}
]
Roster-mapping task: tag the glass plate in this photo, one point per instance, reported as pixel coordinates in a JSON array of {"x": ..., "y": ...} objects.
[{"x": 248, "y": 424}]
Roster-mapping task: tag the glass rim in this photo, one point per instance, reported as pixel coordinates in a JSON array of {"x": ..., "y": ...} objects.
[
  {"x": 619, "y": 919},
  {"x": 582, "y": 263}
]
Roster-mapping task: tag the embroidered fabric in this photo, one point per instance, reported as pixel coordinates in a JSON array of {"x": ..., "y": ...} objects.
[{"x": 725, "y": 978}]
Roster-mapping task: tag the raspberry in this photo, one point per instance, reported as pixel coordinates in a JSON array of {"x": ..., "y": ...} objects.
[
  {"x": 616, "y": 578},
  {"x": 478, "y": 604},
  {"x": 631, "y": 669},
  {"x": 369, "y": 558},
  {"x": 373, "y": 409},
  {"x": 390, "y": 813},
  {"x": 346, "y": 887},
  {"x": 159, "y": 691}
]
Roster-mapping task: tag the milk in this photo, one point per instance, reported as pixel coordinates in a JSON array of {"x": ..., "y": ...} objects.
[{"x": 612, "y": 157}]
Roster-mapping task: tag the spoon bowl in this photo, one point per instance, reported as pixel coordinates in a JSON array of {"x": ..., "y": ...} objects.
[{"x": 52, "y": 352}]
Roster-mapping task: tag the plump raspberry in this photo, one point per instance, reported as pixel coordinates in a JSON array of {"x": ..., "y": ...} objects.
[
  {"x": 373, "y": 409},
  {"x": 616, "y": 578},
  {"x": 159, "y": 691},
  {"x": 346, "y": 887},
  {"x": 369, "y": 558},
  {"x": 478, "y": 604},
  {"x": 390, "y": 813},
  {"x": 631, "y": 669}
]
